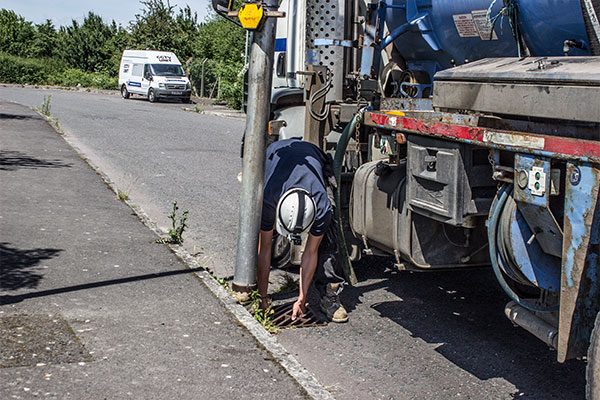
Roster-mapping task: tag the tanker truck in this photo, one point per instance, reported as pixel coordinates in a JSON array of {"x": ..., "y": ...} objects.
[{"x": 465, "y": 133}]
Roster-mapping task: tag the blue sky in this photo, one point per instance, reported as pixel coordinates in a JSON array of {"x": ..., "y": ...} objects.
[{"x": 62, "y": 12}]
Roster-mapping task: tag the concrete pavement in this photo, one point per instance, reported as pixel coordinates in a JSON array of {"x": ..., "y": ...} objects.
[{"x": 92, "y": 307}]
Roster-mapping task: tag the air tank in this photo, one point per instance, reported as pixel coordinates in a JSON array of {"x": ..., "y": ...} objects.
[{"x": 437, "y": 34}]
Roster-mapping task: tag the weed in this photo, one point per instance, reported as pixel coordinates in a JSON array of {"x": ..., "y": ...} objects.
[
  {"x": 220, "y": 281},
  {"x": 45, "y": 110},
  {"x": 176, "y": 232},
  {"x": 262, "y": 316},
  {"x": 54, "y": 122},
  {"x": 46, "y": 106},
  {"x": 121, "y": 195}
]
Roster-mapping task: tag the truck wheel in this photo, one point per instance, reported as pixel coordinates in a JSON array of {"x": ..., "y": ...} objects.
[
  {"x": 593, "y": 366},
  {"x": 151, "y": 96},
  {"x": 280, "y": 251},
  {"x": 124, "y": 92}
]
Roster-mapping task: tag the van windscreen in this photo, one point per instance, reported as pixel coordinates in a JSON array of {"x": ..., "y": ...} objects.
[{"x": 167, "y": 70}]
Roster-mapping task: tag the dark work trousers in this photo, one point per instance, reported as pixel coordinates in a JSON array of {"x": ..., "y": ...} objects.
[{"x": 329, "y": 265}]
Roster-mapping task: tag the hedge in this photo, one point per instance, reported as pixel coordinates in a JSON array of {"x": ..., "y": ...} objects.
[
  {"x": 31, "y": 71},
  {"x": 15, "y": 69}
]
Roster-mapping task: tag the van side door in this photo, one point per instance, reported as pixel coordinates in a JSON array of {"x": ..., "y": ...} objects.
[
  {"x": 134, "y": 85},
  {"x": 146, "y": 79}
]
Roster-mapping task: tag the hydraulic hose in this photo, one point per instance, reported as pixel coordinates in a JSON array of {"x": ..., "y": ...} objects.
[
  {"x": 317, "y": 96},
  {"x": 497, "y": 209},
  {"x": 340, "y": 151}
]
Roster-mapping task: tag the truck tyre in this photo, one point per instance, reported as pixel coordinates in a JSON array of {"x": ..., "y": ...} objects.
[
  {"x": 280, "y": 251},
  {"x": 151, "y": 96},
  {"x": 124, "y": 92},
  {"x": 593, "y": 366}
]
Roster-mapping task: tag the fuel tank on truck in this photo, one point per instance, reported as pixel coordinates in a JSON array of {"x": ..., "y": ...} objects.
[{"x": 440, "y": 34}]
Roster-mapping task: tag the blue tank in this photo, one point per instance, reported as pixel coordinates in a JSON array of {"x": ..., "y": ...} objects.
[
  {"x": 546, "y": 24},
  {"x": 431, "y": 35}
]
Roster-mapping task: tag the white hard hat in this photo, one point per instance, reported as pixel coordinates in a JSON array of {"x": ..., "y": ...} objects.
[{"x": 295, "y": 214}]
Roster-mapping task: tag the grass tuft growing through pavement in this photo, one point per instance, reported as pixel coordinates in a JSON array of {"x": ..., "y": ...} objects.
[
  {"x": 122, "y": 195},
  {"x": 45, "y": 109}
]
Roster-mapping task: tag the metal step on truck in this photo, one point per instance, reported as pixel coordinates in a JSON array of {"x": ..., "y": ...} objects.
[{"x": 464, "y": 134}]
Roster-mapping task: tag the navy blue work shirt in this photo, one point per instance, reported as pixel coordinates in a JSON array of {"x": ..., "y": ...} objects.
[{"x": 294, "y": 163}]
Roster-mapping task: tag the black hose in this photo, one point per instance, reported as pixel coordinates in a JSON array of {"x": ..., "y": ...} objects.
[
  {"x": 340, "y": 151},
  {"x": 322, "y": 116}
]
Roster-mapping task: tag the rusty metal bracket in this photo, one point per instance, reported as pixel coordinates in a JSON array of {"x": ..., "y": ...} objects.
[{"x": 580, "y": 291}]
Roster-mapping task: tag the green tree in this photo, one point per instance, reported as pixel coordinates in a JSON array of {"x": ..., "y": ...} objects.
[
  {"x": 120, "y": 39},
  {"x": 157, "y": 27},
  {"x": 84, "y": 46},
  {"x": 221, "y": 40},
  {"x": 44, "y": 41},
  {"x": 15, "y": 33},
  {"x": 187, "y": 32},
  {"x": 222, "y": 43}
]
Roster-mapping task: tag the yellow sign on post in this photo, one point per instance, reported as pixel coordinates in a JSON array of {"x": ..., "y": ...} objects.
[{"x": 251, "y": 15}]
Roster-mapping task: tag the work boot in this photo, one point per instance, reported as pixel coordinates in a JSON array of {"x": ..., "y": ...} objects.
[{"x": 331, "y": 306}]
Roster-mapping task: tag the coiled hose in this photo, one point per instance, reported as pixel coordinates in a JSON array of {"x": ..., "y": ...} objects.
[{"x": 499, "y": 255}]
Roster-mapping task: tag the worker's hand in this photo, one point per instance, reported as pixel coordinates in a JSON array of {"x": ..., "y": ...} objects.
[
  {"x": 298, "y": 310},
  {"x": 265, "y": 303}
]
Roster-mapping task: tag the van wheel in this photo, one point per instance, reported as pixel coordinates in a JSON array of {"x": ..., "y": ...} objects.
[
  {"x": 124, "y": 92},
  {"x": 151, "y": 96},
  {"x": 593, "y": 366}
]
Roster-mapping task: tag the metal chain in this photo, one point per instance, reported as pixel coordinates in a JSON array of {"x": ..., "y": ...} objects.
[
  {"x": 491, "y": 158},
  {"x": 357, "y": 137}
]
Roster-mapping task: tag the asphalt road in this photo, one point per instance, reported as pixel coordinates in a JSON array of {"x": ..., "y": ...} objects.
[
  {"x": 436, "y": 335},
  {"x": 157, "y": 154}
]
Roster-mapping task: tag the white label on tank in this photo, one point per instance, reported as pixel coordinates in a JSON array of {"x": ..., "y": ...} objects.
[
  {"x": 512, "y": 140},
  {"x": 465, "y": 26},
  {"x": 485, "y": 29}
]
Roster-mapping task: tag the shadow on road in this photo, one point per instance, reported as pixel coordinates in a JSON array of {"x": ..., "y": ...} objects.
[
  {"x": 462, "y": 312},
  {"x": 18, "y": 116},
  {"x": 10, "y": 299},
  {"x": 13, "y": 160},
  {"x": 17, "y": 267}
]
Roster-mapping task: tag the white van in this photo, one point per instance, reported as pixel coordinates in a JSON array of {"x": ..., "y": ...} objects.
[{"x": 153, "y": 74}]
